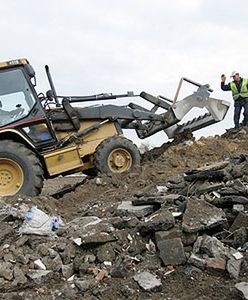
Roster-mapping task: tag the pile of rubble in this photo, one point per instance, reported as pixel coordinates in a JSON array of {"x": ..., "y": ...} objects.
[
  {"x": 147, "y": 234},
  {"x": 198, "y": 221}
]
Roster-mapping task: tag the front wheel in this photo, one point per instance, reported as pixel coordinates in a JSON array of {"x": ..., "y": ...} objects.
[
  {"x": 116, "y": 155},
  {"x": 20, "y": 170}
]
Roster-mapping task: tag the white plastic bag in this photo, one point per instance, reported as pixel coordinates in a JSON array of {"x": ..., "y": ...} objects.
[{"x": 38, "y": 222}]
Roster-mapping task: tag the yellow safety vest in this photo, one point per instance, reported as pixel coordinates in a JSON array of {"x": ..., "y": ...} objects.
[{"x": 243, "y": 92}]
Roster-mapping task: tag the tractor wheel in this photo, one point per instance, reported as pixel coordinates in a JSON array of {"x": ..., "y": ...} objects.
[
  {"x": 116, "y": 155},
  {"x": 20, "y": 170},
  {"x": 90, "y": 172}
]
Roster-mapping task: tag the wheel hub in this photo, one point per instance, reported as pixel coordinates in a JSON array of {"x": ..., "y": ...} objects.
[
  {"x": 11, "y": 177},
  {"x": 119, "y": 160}
]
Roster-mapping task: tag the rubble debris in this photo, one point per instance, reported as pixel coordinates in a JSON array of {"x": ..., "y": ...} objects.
[
  {"x": 148, "y": 282},
  {"x": 85, "y": 285},
  {"x": 240, "y": 221},
  {"x": 201, "y": 215},
  {"x": 67, "y": 270},
  {"x": 238, "y": 208},
  {"x": 6, "y": 270},
  {"x": 100, "y": 247},
  {"x": 40, "y": 276},
  {"x": 187, "y": 238},
  {"x": 68, "y": 189},
  {"x": 171, "y": 251},
  {"x": 203, "y": 175},
  {"x": 216, "y": 264},
  {"x": 197, "y": 261},
  {"x": 242, "y": 288},
  {"x": 210, "y": 246},
  {"x": 124, "y": 222},
  {"x": 88, "y": 230},
  {"x": 126, "y": 208},
  {"x": 233, "y": 267},
  {"x": 161, "y": 220}
]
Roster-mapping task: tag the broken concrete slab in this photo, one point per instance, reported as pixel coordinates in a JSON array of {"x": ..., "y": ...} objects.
[
  {"x": 240, "y": 221},
  {"x": 126, "y": 208},
  {"x": 176, "y": 232},
  {"x": 238, "y": 208},
  {"x": 149, "y": 200},
  {"x": 157, "y": 199},
  {"x": 208, "y": 187},
  {"x": 67, "y": 270},
  {"x": 242, "y": 288},
  {"x": 148, "y": 282},
  {"x": 40, "y": 276},
  {"x": 227, "y": 201},
  {"x": 162, "y": 220},
  {"x": 6, "y": 270},
  {"x": 85, "y": 285},
  {"x": 210, "y": 246},
  {"x": 201, "y": 215},
  {"x": 171, "y": 252},
  {"x": 206, "y": 175},
  {"x": 88, "y": 230},
  {"x": 213, "y": 167},
  {"x": 197, "y": 261},
  {"x": 233, "y": 267},
  {"x": 124, "y": 222},
  {"x": 19, "y": 277}
]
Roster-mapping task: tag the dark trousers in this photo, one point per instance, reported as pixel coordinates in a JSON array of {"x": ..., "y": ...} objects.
[{"x": 238, "y": 105}]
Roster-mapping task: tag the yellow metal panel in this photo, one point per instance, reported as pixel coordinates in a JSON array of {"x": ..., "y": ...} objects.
[
  {"x": 60, "y": 161},
  {"x": 13, "y": 62},
  {"x": 89, "y": 143}
]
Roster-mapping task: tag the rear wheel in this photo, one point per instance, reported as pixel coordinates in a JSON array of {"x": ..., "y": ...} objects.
[
  {"x": 20, "y": 170},
  {"x": 116, "y": 155}
]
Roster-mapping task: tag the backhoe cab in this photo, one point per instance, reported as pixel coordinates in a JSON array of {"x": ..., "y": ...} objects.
[{"x": 43, "y": 136}]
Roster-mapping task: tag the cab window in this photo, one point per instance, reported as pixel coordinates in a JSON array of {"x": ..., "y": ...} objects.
[{"x": 16, "y": 98}]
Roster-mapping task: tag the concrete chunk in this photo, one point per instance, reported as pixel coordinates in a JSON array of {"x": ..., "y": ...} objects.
[
  {"x": 172, "y": 252},
  {"x": 201, "y": 215},
  {"x": 197, "y": 261},
  {"x": 242, "y": 288},
  {"x": 156, "y": 222},
  {"x": 233, "y": 267},
  {"x": 148, "y": 282},
  {"x": 240, "y": 221},
  {"x": 126, "y": 207}
]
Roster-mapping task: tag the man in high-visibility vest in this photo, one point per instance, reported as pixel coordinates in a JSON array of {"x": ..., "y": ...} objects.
[{"x": 239, "y": 88}]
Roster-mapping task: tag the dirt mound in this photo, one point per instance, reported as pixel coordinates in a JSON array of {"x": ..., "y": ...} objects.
[{"x": 168, "y": 161}]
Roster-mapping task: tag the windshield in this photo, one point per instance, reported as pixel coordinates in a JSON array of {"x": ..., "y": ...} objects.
[{"x": 16, "y": 98}]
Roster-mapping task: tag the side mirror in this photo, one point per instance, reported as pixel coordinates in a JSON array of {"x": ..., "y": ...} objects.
[
  {"x": 50, "y": 95},
  {"x": 31, "y": 73},
  {"x": 1, "y": 105},
  {"x": 29, "y": 70}
]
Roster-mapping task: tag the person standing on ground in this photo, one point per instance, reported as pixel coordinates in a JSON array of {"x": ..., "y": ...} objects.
[{"x": 239, "y": 88}]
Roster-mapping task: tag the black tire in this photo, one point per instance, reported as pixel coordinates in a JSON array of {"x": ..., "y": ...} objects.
[
  {"x": 106, "y": 149},
  {"x": 29, "y": 164},
  {"x": 90, "y": 172}
]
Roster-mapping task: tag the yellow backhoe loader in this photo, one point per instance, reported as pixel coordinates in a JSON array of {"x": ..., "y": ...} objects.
[{"x": 45, "y": 135}]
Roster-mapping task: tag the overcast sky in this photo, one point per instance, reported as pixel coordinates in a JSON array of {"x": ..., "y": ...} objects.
[{"x": 95, "y": 46}]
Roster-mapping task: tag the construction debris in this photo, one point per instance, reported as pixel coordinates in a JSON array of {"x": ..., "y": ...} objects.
[{"x": 125, "y": 238}]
